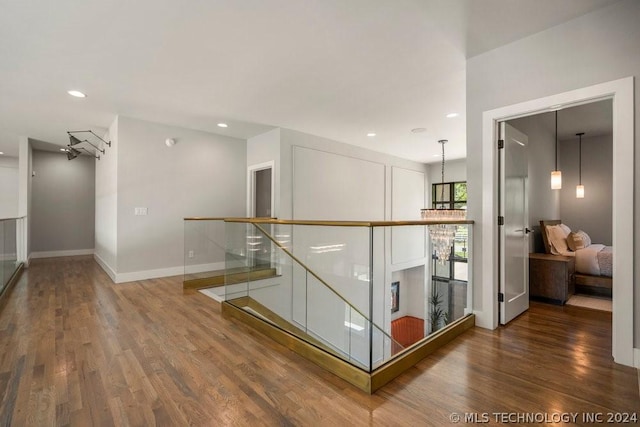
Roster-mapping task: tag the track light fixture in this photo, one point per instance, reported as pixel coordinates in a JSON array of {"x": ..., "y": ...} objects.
[
  {"x": 74, "y": 140},
  {"x": 72, "y": 153}
]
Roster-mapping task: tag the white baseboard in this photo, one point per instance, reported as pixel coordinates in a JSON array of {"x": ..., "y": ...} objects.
[
  {"x": 156, "y": 273},
  {"x": 636, "y": 357},
  {"x": 106, "y": 267},
  {"x": 54, "y": 254},
  {"x": 149, "y": 274},
  {"x": 10, "y": 257},
  {"x": 482, "y": 320}
]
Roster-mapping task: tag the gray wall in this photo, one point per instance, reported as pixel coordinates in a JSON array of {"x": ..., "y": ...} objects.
[
  {"x": 594, "y": 48},
  {"x": 593, "y": 214},
  {"x": 8, "y": 187},
  {"x": 203, "y": 174},
  {"x": 63, "y": 202},
  {"x": 544, "y": 203}
]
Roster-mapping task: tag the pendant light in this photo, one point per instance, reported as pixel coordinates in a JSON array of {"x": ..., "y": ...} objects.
[
  {"x": 580, "y": 187},
  {"x": 443, "y": 234},
  {"x": 556, "y": 175}
]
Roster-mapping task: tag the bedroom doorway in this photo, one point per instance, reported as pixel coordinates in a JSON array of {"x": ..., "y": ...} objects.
[
  {"x": 622, "y": 94},
  {"x": 578, "y": 276},
  {"x": 260, "y": 180}
]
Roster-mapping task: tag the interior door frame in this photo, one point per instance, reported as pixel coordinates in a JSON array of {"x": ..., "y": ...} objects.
[
  {"x": 251, "y": 187},
  {"x": 621, "y": 92}
]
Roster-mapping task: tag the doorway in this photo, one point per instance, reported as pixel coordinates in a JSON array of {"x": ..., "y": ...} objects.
[
  {"x": 622, "y": 93},
  {"x": 583, "y": 133},
  {"x": 260, "y": 193}
]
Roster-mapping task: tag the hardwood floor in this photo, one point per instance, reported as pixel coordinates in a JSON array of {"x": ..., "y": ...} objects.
[{"x": 79, "y": 350}]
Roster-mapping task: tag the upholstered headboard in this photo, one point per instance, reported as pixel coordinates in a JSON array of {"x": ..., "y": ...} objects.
[{"x": 543, "y": 230}]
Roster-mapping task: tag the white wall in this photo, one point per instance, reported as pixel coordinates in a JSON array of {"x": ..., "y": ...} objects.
[
  {"x": 63, "y": 204},
  {"x": 9, "y": 183},
  {"x": 544, "y": 203},
  {"x": 290, "y": 138},
  {"x": 594, "y": 48},
  {"x": 203, "y": 174},
  {"x": 106, "y": 210},
  {"x": 262, "y": 149},
  {"x": 334, "y": 187}
]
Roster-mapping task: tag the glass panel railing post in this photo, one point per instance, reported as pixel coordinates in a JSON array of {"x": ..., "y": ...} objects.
[
  {"x": 10, "y": 249},
  {"x": 469, "y": 306},
  {"x": 2, "y": 255},
  {"x": 371, "y": 283}
]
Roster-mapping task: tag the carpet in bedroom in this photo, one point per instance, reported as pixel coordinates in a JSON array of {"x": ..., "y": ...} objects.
[{"x": 592, "y": 302}]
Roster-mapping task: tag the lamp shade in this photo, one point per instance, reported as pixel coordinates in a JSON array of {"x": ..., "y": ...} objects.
[
  {"x": 579, "y": 191},
  {"x": 556, "y": 180},
  {"x": 73, "y": 140},
  {"x": 72, "y": 153}
]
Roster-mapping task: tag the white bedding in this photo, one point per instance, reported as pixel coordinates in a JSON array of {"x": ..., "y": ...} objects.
[{"x": 595, "y": 260}]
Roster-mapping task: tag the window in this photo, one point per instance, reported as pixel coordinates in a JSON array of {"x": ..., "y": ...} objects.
[
  {"x": 453, "y": 274},
  {"x": 449, "y": 195}
]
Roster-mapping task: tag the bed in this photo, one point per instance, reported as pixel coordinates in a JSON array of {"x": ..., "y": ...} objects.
[{"x": 593, "y": 261}]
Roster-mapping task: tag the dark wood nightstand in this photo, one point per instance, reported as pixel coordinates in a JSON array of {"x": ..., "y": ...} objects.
[{"x": 551, "y": 277}]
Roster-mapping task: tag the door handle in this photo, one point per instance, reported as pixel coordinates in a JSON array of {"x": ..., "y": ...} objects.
[{"x": 526, "y": 230}]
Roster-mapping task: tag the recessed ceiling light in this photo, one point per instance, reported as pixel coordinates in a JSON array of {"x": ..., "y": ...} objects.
[
  {"x": 452, "y": 115},
  {"x": 437, "y": 155},
  {"x": 418, "y": 130},
  {"x": 222, "y": 125},
  {"x": 371, "y": 134},
  {"x": 76, "y": 93},
  {"x": 1, "y": 153}
]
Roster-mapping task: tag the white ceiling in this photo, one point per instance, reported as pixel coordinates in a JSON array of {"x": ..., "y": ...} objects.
[{"x": 333, "y": 68}]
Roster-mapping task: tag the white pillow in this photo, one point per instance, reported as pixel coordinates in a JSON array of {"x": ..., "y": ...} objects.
[
  {"x": 566, "y": 230},
  {"x": 578, "y": 240},
  {"x": 557, "y": 236}
]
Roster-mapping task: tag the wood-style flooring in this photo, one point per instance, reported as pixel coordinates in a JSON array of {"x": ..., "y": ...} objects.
[{"x": 76, "y": 349}]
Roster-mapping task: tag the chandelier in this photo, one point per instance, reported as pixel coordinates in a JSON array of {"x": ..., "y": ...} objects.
[{"x": 442, "y": 235}]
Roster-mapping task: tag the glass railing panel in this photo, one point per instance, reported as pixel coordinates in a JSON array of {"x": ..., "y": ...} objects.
[
  {"x": 307, "y": 302},
  {"x": 204, "y": 249},
  {"x": 449, "y": 290},
  {"x": 8, "y": 250},
  {"x": 340, "y": 255},
  {"x": 364, "y": 294},
  {"x": 3, "y": 282},
  {"x": 405, "y": 286}
]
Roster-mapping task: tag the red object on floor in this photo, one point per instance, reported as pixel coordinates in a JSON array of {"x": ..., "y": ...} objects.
[{"x": 407, "y": 330}]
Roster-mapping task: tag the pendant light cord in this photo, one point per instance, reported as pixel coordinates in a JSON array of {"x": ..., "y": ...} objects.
[
  {"x": 442, "y": 182},
  {"x": 580, "y": 160},
  {"x": 556, "y": 140}
]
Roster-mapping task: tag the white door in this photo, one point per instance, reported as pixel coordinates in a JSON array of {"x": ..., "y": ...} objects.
[{"x": 514, "y": 241}]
